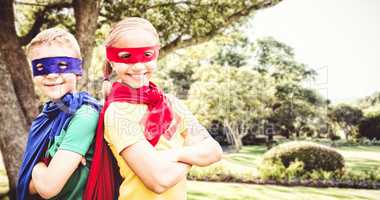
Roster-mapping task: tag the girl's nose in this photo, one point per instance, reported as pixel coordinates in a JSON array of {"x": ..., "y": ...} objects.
[{"x": 138, "y": 66}]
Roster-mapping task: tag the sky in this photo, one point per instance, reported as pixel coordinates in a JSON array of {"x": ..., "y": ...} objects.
[{"x": 340, "y": 39}]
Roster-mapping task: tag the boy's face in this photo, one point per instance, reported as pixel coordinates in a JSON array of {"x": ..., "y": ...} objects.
[{"x": 54, "y": 85}]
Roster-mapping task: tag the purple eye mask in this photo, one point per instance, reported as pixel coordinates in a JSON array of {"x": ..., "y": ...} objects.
[{"x": 44, "y": 66}]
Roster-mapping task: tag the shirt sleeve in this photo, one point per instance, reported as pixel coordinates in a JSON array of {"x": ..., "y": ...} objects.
[
  {"x": 192, "y": 131},
  {"x": 122, "y": 125},
  {"x": 81, "y": 130}
]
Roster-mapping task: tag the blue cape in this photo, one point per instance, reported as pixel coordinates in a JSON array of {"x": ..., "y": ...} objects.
[{"x": 54, "y": 117}]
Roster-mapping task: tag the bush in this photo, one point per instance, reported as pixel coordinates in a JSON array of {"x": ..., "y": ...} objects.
[
  {"x": 275, "y": 170},
  {"x": 222, "y": 171},
  {"x": 369, "y": 127},
  {"x": 314, "y": 156},
  {"x": 272, "y": 170}
]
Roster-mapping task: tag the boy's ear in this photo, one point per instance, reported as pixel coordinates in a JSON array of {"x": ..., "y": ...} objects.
[{"x": 79, "y": 78}]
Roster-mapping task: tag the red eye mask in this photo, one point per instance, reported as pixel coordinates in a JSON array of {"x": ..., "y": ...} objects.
[{"x": 132, "y": 55}]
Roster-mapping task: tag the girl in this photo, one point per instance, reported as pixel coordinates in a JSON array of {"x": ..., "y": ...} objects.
[{"x": 153, "y": 136}]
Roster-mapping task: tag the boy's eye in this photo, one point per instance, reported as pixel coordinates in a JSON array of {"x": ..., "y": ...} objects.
[
  {"x": 124, "y": 55},
  {"x": 62, "y": 65},
  {"x": 148, "y": 54},
  {"x": 40, "y": 66}
]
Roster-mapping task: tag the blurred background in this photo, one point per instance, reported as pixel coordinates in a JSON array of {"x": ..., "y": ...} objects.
[{"x": 288, "y": 88}]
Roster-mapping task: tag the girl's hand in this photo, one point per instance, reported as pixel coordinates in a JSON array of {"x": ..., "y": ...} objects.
[
  {"x": 83, "y": 161},
  {"x": 169, "y": 155}
]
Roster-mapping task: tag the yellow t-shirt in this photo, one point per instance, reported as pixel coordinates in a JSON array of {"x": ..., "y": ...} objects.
[{"x": 124, "y": 127}]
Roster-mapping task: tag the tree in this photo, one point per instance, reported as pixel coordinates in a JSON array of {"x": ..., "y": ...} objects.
[
  {"x": 297, "y": 109},
  {"x": 237, "y": 98},
  {"x": 235, "y": 50},
  {"x": 180, "y": 24},
  {"x": 369, "y": 127},
  {"x": 11, "y": 144},
  {"x": 290, "y": 109},
  {"x": 348, "y": 117}
]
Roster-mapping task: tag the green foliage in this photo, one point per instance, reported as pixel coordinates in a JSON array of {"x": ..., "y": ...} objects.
[
  {"x": 234, "y": 50},
  {"x": 370, "y": 103},
  {"x": 294, "y": 170},
  {"x": 26, "y": 14},
  {"x": 365, "y": 175},
  {"x": 177, "y": 20},
  {"x": 278, "y": 59},
  {"x": 276, "y": 170},
  {"x": 232, "y": 81},
  {"x": 314, "y": 156},
  {"x": 272, "y": 170},
  {"x": 348, "y": 118},
  {"x": 369, "y": 127},
  {"x": 297, "y": 110},
  {"x": 222, "y": 171},
  {"x": 239, "y": 95},
  {"x": 347, "y": 114}
]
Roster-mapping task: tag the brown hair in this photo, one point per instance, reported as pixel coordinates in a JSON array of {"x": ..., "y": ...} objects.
[{"x": 54, "y": 36}]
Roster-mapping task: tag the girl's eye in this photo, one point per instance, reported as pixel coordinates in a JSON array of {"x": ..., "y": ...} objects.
[
  {"x": 62, "y": 65},
  {"x": 40, "y": 66},
  {"x": 148, "y": 54},
  {"x": 124, "y": 55}
]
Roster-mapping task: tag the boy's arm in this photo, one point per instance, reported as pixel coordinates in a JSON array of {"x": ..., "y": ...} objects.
[
  {"x": 49, "y": 180},
  {"x": 32, "y": 189},
  {"x": 155, "y": 170}
]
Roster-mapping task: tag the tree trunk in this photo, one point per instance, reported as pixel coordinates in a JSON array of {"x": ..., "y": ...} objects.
[
  {"x": 233, "y": 135},
  {"x": 16, "y": 63},
  {"x": 19, "y": 104},
  {"x": 12, "y": 130},
  {"x": 86, "y": 16}
]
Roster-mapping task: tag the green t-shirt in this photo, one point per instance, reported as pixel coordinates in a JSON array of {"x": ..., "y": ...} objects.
[{"x": 78, "y": 138}]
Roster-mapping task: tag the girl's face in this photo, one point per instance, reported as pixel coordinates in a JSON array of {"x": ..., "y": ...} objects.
[{"x": 135, "y": 74}]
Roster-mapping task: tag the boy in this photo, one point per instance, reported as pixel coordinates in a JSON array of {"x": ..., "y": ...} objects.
[{"x": 61, "y": 136}]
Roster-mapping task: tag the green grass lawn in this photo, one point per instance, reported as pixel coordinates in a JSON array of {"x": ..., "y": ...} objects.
[
  {"x": 361, "y": 157},
  {"x": 231, "y": 191}
]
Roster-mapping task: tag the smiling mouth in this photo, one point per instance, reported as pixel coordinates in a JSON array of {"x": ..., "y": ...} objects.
[
  {"x": 137, "y": 76},
  {"x": 52, "y": 84}
]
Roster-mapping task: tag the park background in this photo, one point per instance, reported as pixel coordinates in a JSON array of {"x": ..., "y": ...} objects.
[{"x": 288, "y": 88}]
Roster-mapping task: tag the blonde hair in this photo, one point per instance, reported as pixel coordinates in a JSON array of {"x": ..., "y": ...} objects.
[
  {"x": 130, "y": 23},
  {"x": 54, "y": 36},
  {"x": 119, "y": 30}
]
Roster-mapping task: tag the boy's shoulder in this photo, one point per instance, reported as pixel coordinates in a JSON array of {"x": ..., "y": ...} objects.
[{"x": 87, "y": 109}]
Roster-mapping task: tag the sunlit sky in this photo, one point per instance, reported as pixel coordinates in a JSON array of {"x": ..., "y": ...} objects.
[{"x": 338, "y": 38}]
